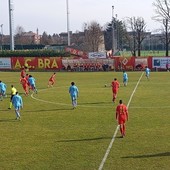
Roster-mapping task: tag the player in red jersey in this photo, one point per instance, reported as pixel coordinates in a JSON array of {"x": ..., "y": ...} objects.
[
  {"x": 24, "y": 83},
  {"x": 115, "y": 86},
  {"x": 122, "y": 116},
  {"x": 23, "y": 72},
  {"x": 51, "y": 80},
  {"x": 28, "y": 84}
]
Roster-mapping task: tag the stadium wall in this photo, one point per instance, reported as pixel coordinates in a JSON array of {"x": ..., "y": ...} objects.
[{"x": 80, "y": 64}]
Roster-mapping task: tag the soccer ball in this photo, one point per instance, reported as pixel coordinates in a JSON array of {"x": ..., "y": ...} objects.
[{"x": 105, "y": 85}]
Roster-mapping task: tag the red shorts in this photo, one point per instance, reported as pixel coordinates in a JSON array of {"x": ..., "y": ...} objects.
[
  {"x": 52, "y": 80},
  {"x": 122, "y": 120},
  {"x": 115, "y": 91}
]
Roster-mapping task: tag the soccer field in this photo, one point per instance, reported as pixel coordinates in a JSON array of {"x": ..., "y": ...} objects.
[{"x": 51, "y": 135}]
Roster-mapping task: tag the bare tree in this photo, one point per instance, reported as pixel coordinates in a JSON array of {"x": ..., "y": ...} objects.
[
  {"x": 137, "y": 34},
  {"x": 77, "y": 38},
  {"x": 162, "y": 10},
  {"x": 93, "y": 36}
]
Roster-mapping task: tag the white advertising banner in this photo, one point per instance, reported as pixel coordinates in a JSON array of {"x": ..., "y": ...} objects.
[
  {"x": 5, "y": 63},
  {"x": 160, "y": 62},
  {"x": 97, "y": 55}
]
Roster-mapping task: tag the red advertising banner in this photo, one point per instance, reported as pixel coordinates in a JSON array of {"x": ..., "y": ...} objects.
[
  {"x": 76, "y": 52},
  {"x": 124, "y": 63},
  {"x": 36, "y": 63}
]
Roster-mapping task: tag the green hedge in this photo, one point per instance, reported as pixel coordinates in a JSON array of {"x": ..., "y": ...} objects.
[{"x": 33, "y": 53}]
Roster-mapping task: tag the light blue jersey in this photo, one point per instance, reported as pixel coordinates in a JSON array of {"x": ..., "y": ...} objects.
[
  {"x": 125, "y": 76},
  {"x": 147, "y": 71},
  {"x": 3, "y": 88},
  {"x": 17, "y": 102},
  {"x": 31, "y": 81},
  {"x": 73, "y": 90}
]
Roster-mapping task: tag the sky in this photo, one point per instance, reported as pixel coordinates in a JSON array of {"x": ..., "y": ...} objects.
[{"x": 51, "y": 15}]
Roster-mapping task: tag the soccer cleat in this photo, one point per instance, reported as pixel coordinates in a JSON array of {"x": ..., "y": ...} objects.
[{"x": 9, "y": 108}]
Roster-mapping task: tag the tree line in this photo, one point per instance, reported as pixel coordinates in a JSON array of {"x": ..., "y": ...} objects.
[{"x": 115, "y": 35}]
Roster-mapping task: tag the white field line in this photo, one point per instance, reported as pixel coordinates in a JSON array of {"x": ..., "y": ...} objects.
[
  {"x": 89, "y": 105},
  {"x": 115, "y": 133},
  {"x": 149, "y": 107},
  {"x": 65, "y": 104},
  {"x": 96, "y": 106}
]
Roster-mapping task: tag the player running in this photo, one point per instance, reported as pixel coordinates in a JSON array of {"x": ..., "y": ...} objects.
[
  {"x": 147, "y": 72},
  {"x": 51, "y": 81},
  {"x": 73, "y": 90},
  {"x": 2, "y": 90},
  {"x": 23, "y": 72},
  {"x": 18, "y": 104},
  {"x": 31, "y": 81},
  {"x": 122, "y": 116},
  {"x": 24, "y": 83},
  {"x": 115, "y": 86},
  {"x": 13, "y": 93}
]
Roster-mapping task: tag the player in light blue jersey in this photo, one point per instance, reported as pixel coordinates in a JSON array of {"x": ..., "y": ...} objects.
[
  {"x": 125, "y": 78},
  {"x": 18, "y": 104},
  {"x": 31, "y": 81},
  {"x": 147, "y": 72},
  {"x": 2, "y": 90},
  {"x": 73, "y": 90}
]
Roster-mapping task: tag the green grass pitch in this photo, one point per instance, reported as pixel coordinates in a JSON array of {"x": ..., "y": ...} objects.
[{"x": 51, "y": 135}]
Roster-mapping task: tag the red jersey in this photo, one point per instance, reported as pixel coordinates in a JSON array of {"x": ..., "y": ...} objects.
[
  {"x": 115, "y": 85},
  {"x": 121, "y": 113},
  {"x": 23, "y": 73},
  {"x": 27, "y": 77},
  {"x": 52, "y": 77},
  {"x": 23, "y": 81}
]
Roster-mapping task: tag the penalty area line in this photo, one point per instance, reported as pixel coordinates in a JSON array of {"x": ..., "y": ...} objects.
[{"x": 115, "y": 133}]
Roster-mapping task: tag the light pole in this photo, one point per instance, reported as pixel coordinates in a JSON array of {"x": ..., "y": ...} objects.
[
  {"x": 113, "y": 32},
  {"x": 68, "y": 29},
  {"x": 11, "y": 22},
  {"x": 1, "y": 36},
  {"x": 117, "y": 33}
]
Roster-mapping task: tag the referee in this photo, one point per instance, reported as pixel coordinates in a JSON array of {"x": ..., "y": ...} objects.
[{"x": 13, "y": 92}]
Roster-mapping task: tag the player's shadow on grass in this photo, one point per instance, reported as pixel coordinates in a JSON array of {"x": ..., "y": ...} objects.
[
  {"x": 7, "y": 120},
  {"x": 85, "y": 103},
  {"x": 149, "y": 155},
  {"x": 4, "y": 110},
  {"x": 83, "y": 140},
  {"x": 46, "y": 110}
]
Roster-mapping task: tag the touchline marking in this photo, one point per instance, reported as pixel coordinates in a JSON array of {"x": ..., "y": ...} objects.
[
  {"x": 149, "y": 107},
  {"x": 115, "y": 133}
]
